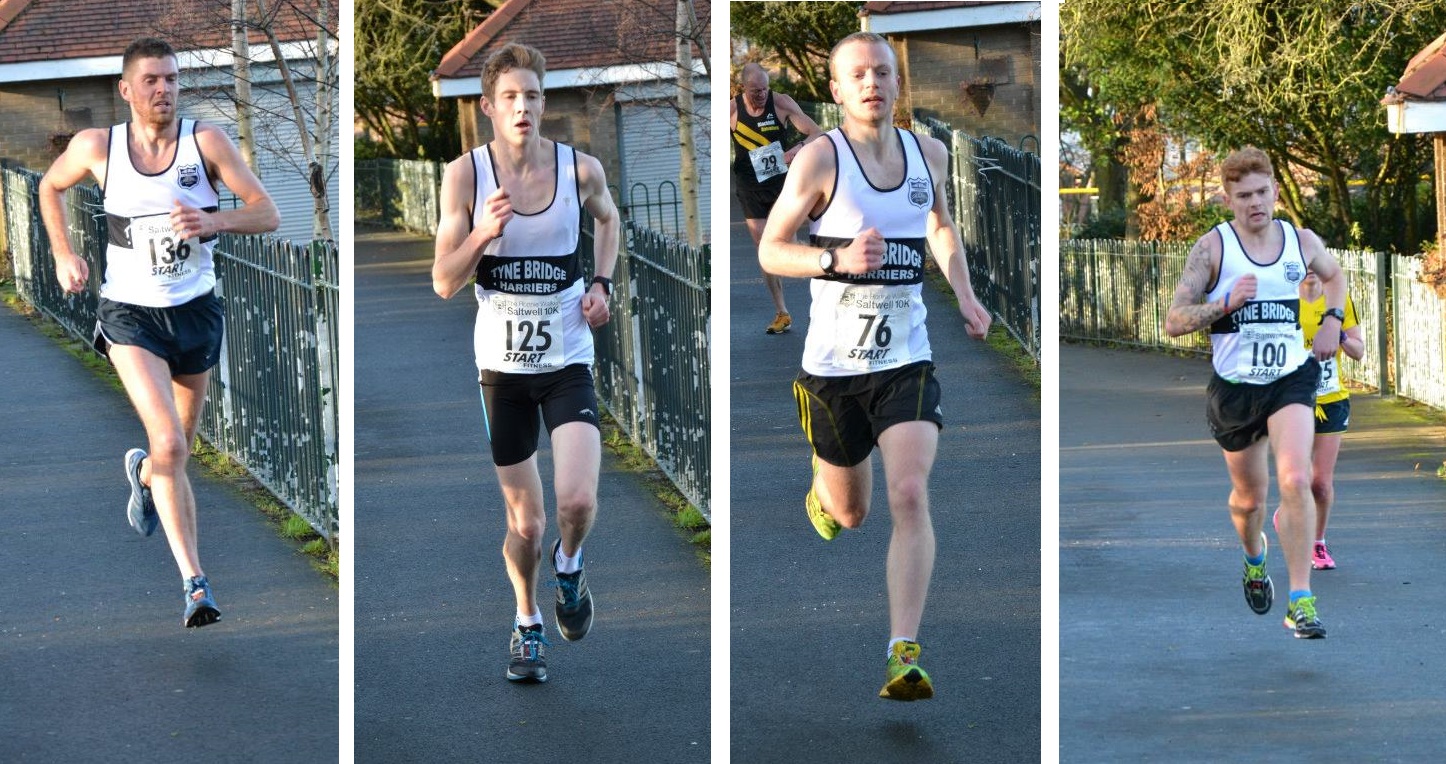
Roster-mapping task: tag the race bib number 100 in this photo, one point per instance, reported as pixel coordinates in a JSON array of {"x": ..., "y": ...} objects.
[
  {"x": 169, "y": 255},
  {"x": 1266, "y": 351},
  {"x": 872, "y": 325},
  {"x": 526, "y": 332}
]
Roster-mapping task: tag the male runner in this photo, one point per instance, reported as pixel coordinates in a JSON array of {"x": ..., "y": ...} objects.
[
  {"x": 758, "y": 118},
  {"x": 874, "y": 197},
  {"x": 158, "y": 320},
  {"x": 1247, "y": 272},
  {"x": 510, "y": 219},
  {"x": 1332, "y": 408}
]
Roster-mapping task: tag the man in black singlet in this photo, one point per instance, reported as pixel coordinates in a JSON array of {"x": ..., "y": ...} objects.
[{"x": 759, "y": 118}]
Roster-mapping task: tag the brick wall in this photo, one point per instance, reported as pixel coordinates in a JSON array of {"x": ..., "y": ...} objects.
[
  {"x": 33, "y": 125},
  {"x": 938, "y": 65}
]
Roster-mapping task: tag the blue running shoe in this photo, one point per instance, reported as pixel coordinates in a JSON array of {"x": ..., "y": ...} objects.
[
  {"x": 574, "y": 601},
  {"x": 141, "y": 509},
  {"x": 528, "y": 663},
  {"x": 200, "y": 606}
]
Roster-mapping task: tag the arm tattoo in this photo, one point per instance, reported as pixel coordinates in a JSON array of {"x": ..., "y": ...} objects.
[{"x": 1187, "y": 314}]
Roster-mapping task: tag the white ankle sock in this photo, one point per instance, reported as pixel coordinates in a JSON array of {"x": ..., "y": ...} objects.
[
  {"x": 567, "y": 564},
  {"x": 535, "y": 619}
]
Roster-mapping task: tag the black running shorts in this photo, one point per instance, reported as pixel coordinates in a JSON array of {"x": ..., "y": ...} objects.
[
  {"x": 1336, "y": 419},
  {"x": 186, "y": 336},
  {"x": 843, "y": 416},
  {"x": 757, "y": 200},
  {"x": 511, "y": 403},
  {"x": 1238, "y": 412}
]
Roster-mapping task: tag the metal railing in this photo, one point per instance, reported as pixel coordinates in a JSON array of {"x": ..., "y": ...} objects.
[
  {"x": 272, "y": 403},
  {"x": 653, "y": 358},
  {"x": 399, "y": 193},
  {"x": 1119, "y": 292},
  {"x": 994, "y": 198}
]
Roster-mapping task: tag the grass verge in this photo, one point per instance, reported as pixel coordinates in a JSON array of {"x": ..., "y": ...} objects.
[
  {"x": 216, "y": 465},
  {"x": 685, "y": 517}
]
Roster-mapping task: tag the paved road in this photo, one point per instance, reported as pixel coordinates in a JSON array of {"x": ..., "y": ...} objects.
[
  {"x": 810, "y": 619},
  {"x": 1159, "y": 655},
  {"x": 433, "y": 603},
  {"x": 94, "y": 662}
]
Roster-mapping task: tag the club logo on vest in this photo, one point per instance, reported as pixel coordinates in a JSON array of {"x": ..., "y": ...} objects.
[
  {"x": 1293, "y": 272},
  {"x": 188, "y": 175},
  {"x": 919, "y": 191}
]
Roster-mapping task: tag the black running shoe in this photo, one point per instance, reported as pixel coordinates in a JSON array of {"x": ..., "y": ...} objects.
[
  {"x": 200, "y": 605},
  {"x": 1303, "y": 619},
  {"x": 528, "y": 663},
  {"x": 574, "y": 601},
  {"x": 1259, "y": 592},
  {"x": 141, "y": 508}
]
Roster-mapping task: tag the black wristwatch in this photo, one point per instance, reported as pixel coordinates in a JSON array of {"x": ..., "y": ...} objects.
[
  {"x": 1340, "y": 315},
  {"x": 606, "y": 282},
  {"x": 827, "y": 261}
]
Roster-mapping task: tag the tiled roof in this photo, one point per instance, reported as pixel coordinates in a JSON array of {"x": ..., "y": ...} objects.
[
  {"x": 573, "y": 34},
  {"x": 1425, "y": 75},
  {"x": 55, "y": 30}
]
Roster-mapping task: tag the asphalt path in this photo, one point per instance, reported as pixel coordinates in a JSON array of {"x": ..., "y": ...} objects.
[
  {"x": 810, "y": 618},
  {"x": 1159, "y": 655},
  {"x": 94, "y": 662},
  {"x": 433, "y": 603}
]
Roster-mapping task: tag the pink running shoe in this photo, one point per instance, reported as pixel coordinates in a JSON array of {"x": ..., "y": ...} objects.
[{"x": 1320, "y": 558}]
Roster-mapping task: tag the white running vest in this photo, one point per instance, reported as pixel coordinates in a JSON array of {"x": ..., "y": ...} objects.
[
  {"x": 145, "y": 263},
  {"x": 1262, "y": 341},
  {"x": 874, "y": 321},
  {"x": 529, "y": 281}
]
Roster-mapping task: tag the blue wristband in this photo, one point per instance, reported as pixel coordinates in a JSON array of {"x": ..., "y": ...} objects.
[{"x": 1227, "y": 301}]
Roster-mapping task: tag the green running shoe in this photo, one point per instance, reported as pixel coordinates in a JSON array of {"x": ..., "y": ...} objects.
[
  {"x": 906, "y": 680},
  {"x": 1259, "y": 592},
  {"x": 1303, "y": 619},
  {"x": 826, "y": 526}
]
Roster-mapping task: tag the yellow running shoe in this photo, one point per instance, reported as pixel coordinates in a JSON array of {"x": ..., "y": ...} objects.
[
  {"x": 906, "y": 680},
  {"x": 781, "y": 323},
  {"x": 822, "y": 522}
]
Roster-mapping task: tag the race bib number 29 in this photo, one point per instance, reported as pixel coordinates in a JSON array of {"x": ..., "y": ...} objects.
[
  {"x": 767, "y": 161},
  {"x": 872, "y": 326}
]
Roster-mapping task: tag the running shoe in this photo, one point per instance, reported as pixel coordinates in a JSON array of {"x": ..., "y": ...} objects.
[
  {"x": 574, "y": 601},
  {"x": 781, "y": 323},
  {"x": 1259, "y": 592},
  {"x": 1303, "y": 619},
  {"x": 906, "y": 680},
  {"x": 1320, "y": 557},
  {"x": 141, "y": 509},
  {"x": 528, "y": 664},
  {"x": 824, "y": 523},
  {"x": 200, "y": 606}
]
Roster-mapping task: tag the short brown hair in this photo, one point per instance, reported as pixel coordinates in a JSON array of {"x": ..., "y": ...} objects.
[
  {"x": 868, "y": 37},
  {"x": 513, "y": 55},
  {"x": 145, "y": 47},
  {"x": 1246, "y": 161}
]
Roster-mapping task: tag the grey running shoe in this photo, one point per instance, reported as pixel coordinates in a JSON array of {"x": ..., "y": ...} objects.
[
  {"x": 200, "y": 606},
  {"x": 528, "y": 663},
  {"x": 1259, "y": 592},
  {"x": 574, "y": 601},
  {"x": 141, "y": 509},
  {"x": 1303, "y": 619}
]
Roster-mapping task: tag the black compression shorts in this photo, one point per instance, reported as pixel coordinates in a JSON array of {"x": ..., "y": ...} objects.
[{"x": 843, "y": 416}]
